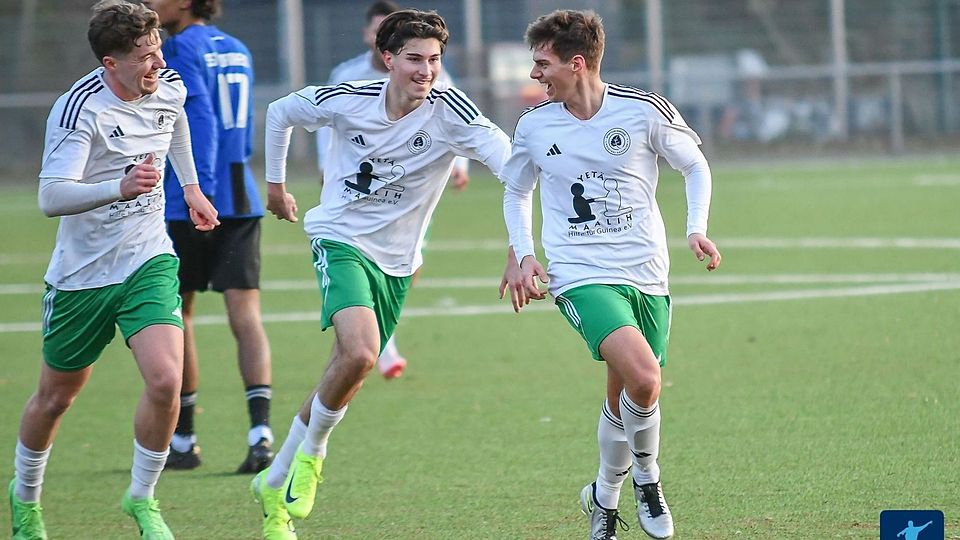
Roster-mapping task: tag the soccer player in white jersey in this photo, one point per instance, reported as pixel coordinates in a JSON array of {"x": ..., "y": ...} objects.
[
  {"x": 370, "y": 66},
  {"x": 593, "y": 147},
  {"x": 394, "y": 144},
  {"x": 113, "y": 264}
]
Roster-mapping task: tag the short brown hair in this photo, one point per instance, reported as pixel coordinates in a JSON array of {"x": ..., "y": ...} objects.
[
  {"x": 381, "y": 8},
  {"x": 569, "y": 33},
  {"x": 205, "y": 9},
  {"x": 116, "y": 26},
  {"x": 401, "y": 26}
]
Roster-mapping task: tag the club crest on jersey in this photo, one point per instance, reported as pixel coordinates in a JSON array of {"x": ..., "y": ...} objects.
[
  {"x": 616, "y": 141},
  {"x": 163, "y": 119},
  {"x": 419, "y": 143}
]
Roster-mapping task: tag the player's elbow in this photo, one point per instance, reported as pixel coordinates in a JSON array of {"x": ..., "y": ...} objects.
[
  {"x": 273, "y": 117},
  {"x": 46, "y": 205}
]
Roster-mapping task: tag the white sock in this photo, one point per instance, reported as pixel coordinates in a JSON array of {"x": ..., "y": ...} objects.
[
  {"x": 642, "y": 427},
  {"x": 259, "y": 432},
  {"x": 278, "y": 470},
  {"x": 147, "y": 466},
  {"x": 322, "y": 422},
  {"x": 183, "y": 443},
  {"x": 30, "y": 465},
  {"x": 614, "y": 458},
  {"x": 390, "y": 354}
]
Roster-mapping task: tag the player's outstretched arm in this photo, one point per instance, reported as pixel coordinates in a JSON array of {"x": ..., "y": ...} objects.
[
  {"x": 702, "y": 247},
  {"x": 280, "y": 202},
  {"x": 202, "y": 212}
]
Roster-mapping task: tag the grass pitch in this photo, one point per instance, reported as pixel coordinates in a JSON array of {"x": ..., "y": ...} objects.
[{"x": 812, "y": 380}]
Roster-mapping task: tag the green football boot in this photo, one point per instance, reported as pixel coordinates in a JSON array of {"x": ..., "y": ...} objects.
[
  {"x": 300, "y": 488},
  {"x": 27, "y": 518},
  {"x": 276, "y": 520},
  {"x": 146, "y": 512}
]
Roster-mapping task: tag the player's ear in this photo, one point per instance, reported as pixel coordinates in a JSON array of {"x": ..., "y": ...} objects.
[
  {"x": 578, "y": 63},
  {"x": 109, "y": 62},
  {"x": 387, "y": 57}
]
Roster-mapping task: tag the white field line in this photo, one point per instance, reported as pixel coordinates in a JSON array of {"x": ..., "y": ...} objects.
[
  {"x": 676, "y": 243},
  {"x": 679, "y": 243},
  {"x": 936, "y": 180},
  {"x": 493, "y": 282},
  {"x": 504, "y": 308}
]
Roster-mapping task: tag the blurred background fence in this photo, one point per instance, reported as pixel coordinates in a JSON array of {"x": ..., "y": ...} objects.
[{"x": 756, "y": 78}]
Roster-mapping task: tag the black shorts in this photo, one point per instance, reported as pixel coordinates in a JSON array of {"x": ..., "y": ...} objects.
[{"x": 228, "y": 257}]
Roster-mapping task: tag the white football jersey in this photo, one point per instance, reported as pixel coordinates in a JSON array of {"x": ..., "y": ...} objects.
[
  {"x": 598, "y": 183},
  {"x": 93, "y": 136},
  {"x": 360, "y": 68},
  {"x": 384, "y": 177}
]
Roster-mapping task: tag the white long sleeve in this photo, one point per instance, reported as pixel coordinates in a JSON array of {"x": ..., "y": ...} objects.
[
  {"x": 181, "y": 152},
  {"x": 518, "y": 216},
  {"x": 296, "y": 109},
  {"x": 682, "y": 152},
  {"x": 699, "y": 188},
  {"x": 64, "y": 197},
  {"x": 277, "y": 142}
]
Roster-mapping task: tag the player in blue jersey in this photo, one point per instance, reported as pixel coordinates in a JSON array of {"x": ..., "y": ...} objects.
[{"x": 217, "y": 70}]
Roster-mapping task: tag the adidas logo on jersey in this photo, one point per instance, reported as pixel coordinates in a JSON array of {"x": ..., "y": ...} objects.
[
  {"x": 359, "y": 140},
  {"x": 554, "y": 151},
  {"x": 117, "y": 132}
]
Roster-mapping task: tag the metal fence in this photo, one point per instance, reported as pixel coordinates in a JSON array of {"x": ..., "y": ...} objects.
[{"x": 753, "y": 77}]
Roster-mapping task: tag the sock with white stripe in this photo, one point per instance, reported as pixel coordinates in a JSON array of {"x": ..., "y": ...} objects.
[
  {"x": 258, "y": 406},
  {"x": 278, "y": 470},
  {"x": 183, "y": 437},
  {"x": 642, "y": 427},
  {"x": 614, "y": 458},
  {"x": 30, "y": 466}
]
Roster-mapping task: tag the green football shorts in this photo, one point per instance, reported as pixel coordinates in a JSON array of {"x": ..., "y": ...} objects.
[
  {"x": 595, "y": 311},
  {"x": 347, "y": 278},
  {"x": 78, "y": 325}
]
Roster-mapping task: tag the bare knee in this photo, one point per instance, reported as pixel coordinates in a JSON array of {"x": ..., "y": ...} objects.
[
  {"x": 246, "y": 326},
  {"x": 52, "y": 404},
  {"x": 358, "y": 358},
  {"x": 644, "y": 389},
  {"x": 163, "y": 388}
]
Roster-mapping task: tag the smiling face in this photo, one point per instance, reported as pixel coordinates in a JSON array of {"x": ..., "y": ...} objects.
[
  {"x": 135, "y": 74},
  {"x": 556, "y": 76},
  {"x": 415, "y": 68}
]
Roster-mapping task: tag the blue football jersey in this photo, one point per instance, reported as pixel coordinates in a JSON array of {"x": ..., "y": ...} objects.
[{"x": 217, "y": 70}]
